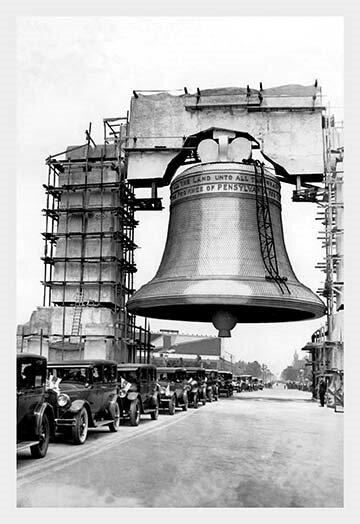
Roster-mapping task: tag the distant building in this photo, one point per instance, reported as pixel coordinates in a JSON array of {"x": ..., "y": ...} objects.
[
  {"x": 298, "y": 363},
  {"x": 176, "y": 349}
]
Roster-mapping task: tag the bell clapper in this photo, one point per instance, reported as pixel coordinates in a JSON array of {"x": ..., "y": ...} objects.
[{"x": 224, "y": 321}]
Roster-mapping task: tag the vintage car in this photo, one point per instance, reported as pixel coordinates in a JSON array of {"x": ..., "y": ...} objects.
[
  {"x": 196, "y": 380},
  {"x": 212, "y": 389},
  {"x": 35, "y": 417},
  {"x": 84, "y": 394},
  {"x": 138, "y": 391},
  {"x": 246, "y": 383},
  {"x": 255, "y": 383},
  {"x": 237, "y": 383},
  {"x": 173, "y": 388},
  {"x": 234, "y": 385},
  {"x": 225, "y": 383}
]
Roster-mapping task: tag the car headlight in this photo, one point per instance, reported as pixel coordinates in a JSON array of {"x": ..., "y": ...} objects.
[
  {"x": 63, "y": 400},
  {"x": 122, "y": 393}
]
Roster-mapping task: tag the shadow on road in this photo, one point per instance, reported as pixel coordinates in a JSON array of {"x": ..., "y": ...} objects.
[
  {"x": 64, "y": 440},
  {"x": 274, "y": 399}
]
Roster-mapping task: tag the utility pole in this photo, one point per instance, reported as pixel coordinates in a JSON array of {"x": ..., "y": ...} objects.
[{"x": 263, "y": 371}]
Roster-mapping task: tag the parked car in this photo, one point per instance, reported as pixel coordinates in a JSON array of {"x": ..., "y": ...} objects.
[
  {"x": 85, "y": 396},
  {"x": 138, "y": 391},
  {"x": 173, "y": 388},
  {"x": 212, "y": 389},
  {"x": 35, "y": 417},
  {"x": 225, "y": 383},
  {"x": 238, "y": 383},
  {"x": 246, "y": 383},
  {"x": 257, "y": 384},
  {"x": 196, "y": 380}
]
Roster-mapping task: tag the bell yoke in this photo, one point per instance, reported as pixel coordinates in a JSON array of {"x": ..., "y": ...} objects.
[{"x": 225, "y": 259}]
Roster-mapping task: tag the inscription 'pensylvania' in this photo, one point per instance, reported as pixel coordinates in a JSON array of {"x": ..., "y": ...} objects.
[{"x": 219, "y": 183}]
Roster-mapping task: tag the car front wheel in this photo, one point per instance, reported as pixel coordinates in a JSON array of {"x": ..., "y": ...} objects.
[
  {"x": 39, "y": 450},
  {"x": 196, "y": 402},
  {"x": 155, "y": 414},
  {"x": 186, "y": 403},
  {"x": 80, "y": 429},
  {"x": 114, "y": 426},
  {"x": 172, "y": 405},
  {"x": 134, "y": 412}
]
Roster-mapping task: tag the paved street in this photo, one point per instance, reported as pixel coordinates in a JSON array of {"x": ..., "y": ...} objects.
[{"x": 274, "y": 448}]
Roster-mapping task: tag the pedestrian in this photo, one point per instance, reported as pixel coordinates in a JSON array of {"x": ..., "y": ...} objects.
[{"x": 322, "y": 391}]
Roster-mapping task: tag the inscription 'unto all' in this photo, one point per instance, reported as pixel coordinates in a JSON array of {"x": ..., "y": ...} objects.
[{"x": 215, "y": 183}]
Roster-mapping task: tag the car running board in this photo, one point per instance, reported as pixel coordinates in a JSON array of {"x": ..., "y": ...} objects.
[
  {"x": 99, "y": 423},
  {"x": 21, "y": 446}
]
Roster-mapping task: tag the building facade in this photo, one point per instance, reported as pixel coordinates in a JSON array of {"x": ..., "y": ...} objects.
[{"x": 171, "y": 348}]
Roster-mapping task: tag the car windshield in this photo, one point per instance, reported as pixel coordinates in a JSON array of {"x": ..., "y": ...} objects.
[
  {"x": 70, "y": 374},
  {"x": 31, "y": 373},
  {"x": 130, "y": 376},
  {"x": 225, "y": 376},
  {"x": 166, "y": 375}
]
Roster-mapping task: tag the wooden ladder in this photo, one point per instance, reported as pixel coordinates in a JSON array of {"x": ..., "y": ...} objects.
[{"x": 77, "y": 314}]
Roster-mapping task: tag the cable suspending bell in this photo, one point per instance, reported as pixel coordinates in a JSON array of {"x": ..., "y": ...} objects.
[{"x": 265, "y": 229}]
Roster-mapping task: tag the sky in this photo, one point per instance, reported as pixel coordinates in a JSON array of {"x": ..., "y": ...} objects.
[{"x": 76, "y": 70}]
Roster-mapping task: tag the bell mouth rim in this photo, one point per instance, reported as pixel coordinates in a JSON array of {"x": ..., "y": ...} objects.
[
  {"x": 278, "y": 308},
  {"x": 292, "y": 282}
]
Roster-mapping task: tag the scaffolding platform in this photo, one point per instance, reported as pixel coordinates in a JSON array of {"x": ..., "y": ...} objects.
[{"x": 89, "y": 245}]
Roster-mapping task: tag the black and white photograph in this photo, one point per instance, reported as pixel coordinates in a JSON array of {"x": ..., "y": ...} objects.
[{"x": 179, "y": 262}]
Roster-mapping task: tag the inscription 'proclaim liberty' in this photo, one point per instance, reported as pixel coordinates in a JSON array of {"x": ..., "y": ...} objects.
[{"x": 220, "y": 183}]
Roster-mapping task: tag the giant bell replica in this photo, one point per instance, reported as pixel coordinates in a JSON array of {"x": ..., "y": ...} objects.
[{"x": 225, "y": 259}]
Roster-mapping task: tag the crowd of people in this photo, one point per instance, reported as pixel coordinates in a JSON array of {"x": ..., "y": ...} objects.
[{"x": 302, "y": 386}]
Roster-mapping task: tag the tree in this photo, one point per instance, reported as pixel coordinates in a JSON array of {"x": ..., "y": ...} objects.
[
  {"x": 239, "y": 367},
  {"x": 250, "y": 368},
  {"x": 253, "y": 369}
]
